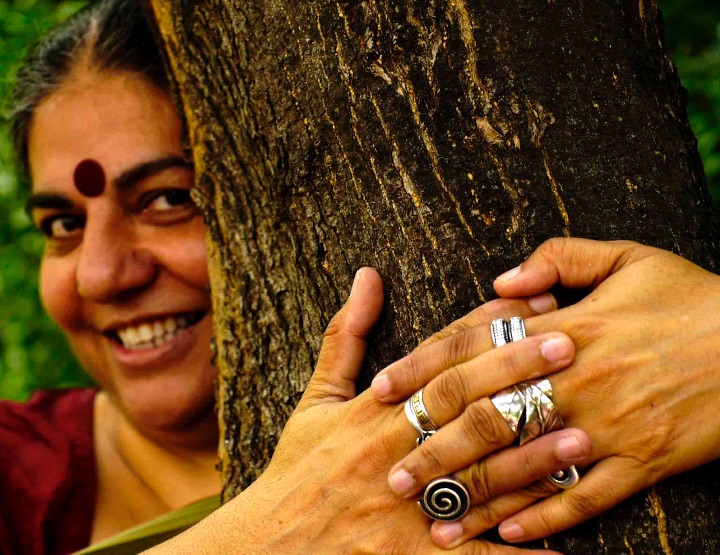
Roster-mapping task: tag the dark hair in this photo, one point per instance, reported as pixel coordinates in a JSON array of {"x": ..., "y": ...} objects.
[{"x": 109, "y": 35}]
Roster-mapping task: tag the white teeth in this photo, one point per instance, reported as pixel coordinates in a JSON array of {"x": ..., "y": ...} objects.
[
  {"x": 145, "y": 332},
  {"x": 151, "y": 334}
]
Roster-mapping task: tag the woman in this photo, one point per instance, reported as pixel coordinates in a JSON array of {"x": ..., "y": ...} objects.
[{"x": 124, "y": 275}]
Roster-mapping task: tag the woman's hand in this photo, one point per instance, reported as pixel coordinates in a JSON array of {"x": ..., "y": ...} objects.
[
  {"x": 644, "y": 382},
  {"x": 326, "y": 489}
]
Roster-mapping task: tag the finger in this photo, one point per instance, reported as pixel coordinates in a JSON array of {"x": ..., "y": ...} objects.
[
  {"x": 481, "y": 518},
  {"x": 481, "y": 429},
  {"x": 607, "y": 484},
  {"x": 572, "y": 262},
  {"x": 517, "y": 467},
  {"x": 405, "y": 376},
  {"x": 344, "y": 344},
  {"x": 510, "y": 480},
  {"x": 449, "y": 394},
  {"x": 499, "y": 308}
]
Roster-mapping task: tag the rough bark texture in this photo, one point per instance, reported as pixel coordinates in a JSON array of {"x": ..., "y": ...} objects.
[{"x": 440, "y": 142}]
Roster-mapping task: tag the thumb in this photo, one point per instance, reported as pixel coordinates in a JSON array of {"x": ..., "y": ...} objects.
[
  {"x": 571, "y": 262},
  {"x": 343, "y": 349}
]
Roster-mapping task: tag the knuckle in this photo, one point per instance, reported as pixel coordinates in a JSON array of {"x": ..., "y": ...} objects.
[
  {"x": 428, "y": 460},
  {"x": 334, "y": 327},
  {"x": 458, "y": 347},
  {"x": 544, "y": 524},
  {"x": 553, "y": 248},
  {"x": 478, "y": 480},
  {"x": 485, "y": 426},
  {"x": 486, "y": 517},
  {"x": 414, "y": 369},
  {"x": 528, "y": 465},
  {"x": 540, "y": 489},
  {"x": 581, "y": 504},
  {"x": 451, "y": 392},
  {"x": 511, "y": 364}
]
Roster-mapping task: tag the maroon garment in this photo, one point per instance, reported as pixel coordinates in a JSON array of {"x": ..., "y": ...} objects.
[{"x": 47, "y": 473}]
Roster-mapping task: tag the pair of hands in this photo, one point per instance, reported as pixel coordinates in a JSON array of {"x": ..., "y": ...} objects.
[{"x": 643, "y": 384}]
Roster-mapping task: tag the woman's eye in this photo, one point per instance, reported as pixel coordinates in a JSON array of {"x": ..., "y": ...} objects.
[
  {"x": 62, "y": 227},
  {"x": 167, "y": 200}
]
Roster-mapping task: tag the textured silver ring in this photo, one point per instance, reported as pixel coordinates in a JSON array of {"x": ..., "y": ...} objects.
[
  {"x": 417, "y": 415},
  {"x": 517, "y": 328},
  {"x": 510, "y": 403},
  {"x": 499, "y": 332}
]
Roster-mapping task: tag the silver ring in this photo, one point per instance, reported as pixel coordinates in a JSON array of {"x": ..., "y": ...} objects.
[
  {"x": 445, "y": 499},
  {"x": 510, "y": 403},
  {"x": 499, "y": 332},
  {"x": 517, "y": 328},
  {"x": 541, "y": 416},
  {"x": 565, "y": 479},
  {"x": 417, "y": 415},
  {"x": 527, "y": 407}
]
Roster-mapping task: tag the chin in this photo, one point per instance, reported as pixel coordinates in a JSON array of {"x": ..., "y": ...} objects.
[{"x": 170, "y": 404}]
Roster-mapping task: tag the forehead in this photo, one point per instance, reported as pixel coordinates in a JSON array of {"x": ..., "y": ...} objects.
[{"x": 116, "y": 119}]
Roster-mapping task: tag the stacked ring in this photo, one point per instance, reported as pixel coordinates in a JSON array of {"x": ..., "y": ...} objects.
[
  {"x": 527, "y": 407},
  {"x": 445, "y": 499}
]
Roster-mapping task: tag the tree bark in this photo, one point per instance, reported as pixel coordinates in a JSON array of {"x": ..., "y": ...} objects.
[{"x": 439, "y": 142}]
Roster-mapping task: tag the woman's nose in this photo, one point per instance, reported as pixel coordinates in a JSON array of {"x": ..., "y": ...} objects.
[{"x": 112, "y": 261}]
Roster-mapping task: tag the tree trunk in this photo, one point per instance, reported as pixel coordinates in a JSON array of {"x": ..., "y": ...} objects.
[{"x": 439, "y": 142}]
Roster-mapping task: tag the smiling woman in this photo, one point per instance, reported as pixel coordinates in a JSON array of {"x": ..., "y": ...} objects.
[{"x": 125, "y": 263}]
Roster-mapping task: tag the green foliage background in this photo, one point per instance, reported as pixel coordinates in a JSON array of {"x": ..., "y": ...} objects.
[{"x": 33, "y": 353}]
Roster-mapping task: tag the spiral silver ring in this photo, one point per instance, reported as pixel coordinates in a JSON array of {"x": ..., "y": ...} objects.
[{"x": 445, "y": 499}]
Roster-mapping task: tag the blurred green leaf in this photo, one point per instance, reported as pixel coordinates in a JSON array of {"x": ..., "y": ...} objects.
[{"x": 33, "y": 352}]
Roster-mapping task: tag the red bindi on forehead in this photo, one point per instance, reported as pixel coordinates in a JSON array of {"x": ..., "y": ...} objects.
[{"x": 89, "y": 178}]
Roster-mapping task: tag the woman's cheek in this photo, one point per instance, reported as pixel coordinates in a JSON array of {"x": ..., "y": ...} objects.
[{"x": 57, "y": 291}]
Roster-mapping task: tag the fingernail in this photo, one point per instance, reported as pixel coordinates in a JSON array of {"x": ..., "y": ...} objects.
[
  {"x": 556, "y": 349},
  {"x": 511, "y": 531},
  {"x": 542, "y": 303},
  {"x": 450, "y": 532},
  {"x": 569, "y": 449},
  {"x": 356, "y": 280},
  {"x": 510, "y": 274},
  {"x": 401, "y": 482},
  {"x": 380, "y": 386}
]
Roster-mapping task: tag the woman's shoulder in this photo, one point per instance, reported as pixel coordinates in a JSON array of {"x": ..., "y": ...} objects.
[
  {"x": 48, "y": 476},
  {"x": 48, "y": 418},
  {"x": 48, "y": 403}
]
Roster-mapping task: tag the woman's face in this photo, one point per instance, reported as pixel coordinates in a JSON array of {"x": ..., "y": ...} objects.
[{"x": 124, "y": 273}]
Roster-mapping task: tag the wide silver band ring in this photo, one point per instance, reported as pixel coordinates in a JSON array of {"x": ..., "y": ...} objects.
[
  {"x": 445, "y": 499},
  {"x": 418, "y": 416}
]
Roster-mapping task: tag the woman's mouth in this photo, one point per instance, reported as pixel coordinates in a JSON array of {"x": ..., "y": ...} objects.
[{"x": 154, "y": 333}]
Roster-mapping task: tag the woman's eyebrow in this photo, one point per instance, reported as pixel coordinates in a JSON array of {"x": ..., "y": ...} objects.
[
  {"x": 134, "y": 175},
  {"x": 53, "y": 201},
  {"x": 125, "y": 181}
]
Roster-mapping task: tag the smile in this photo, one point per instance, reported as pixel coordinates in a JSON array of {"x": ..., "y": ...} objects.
[{"x": 154, "y": 333}]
